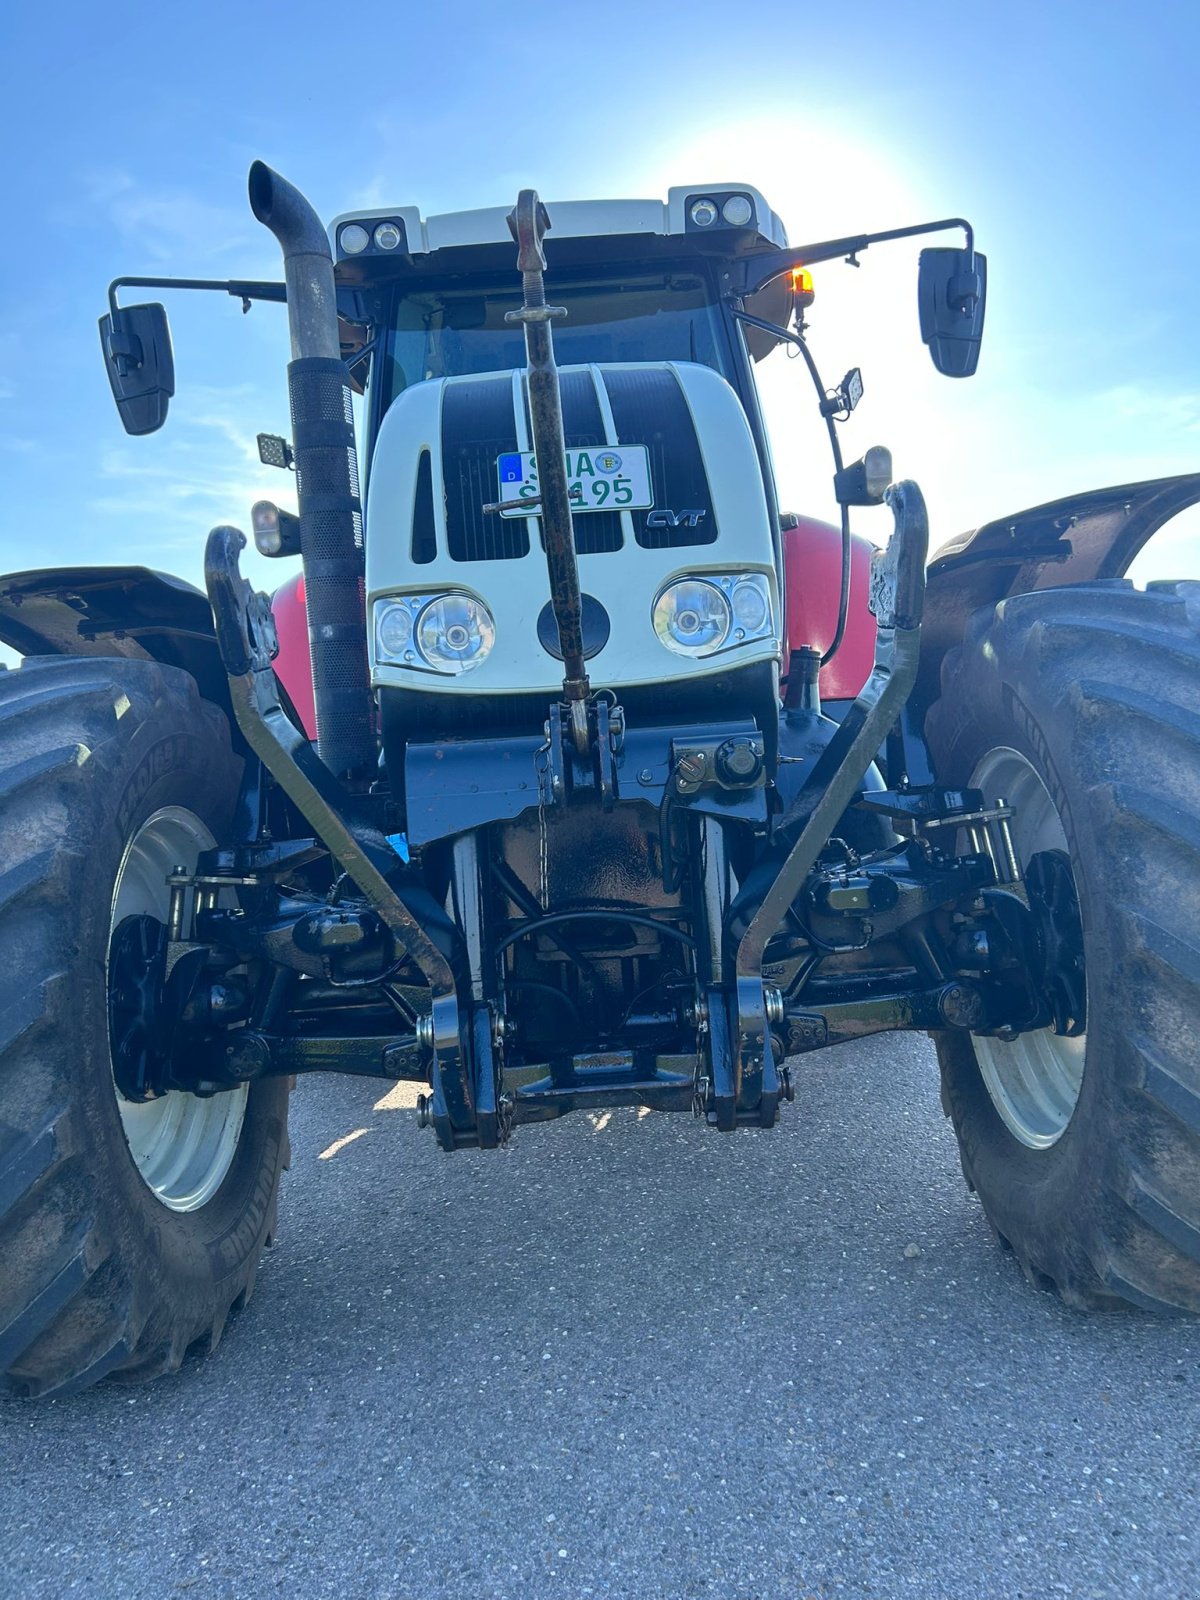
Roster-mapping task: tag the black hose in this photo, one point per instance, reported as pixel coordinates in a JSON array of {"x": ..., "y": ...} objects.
[
  {"x": 836, "y": 447},
  {"x": 532, "y": 907},
  {"x": 616, "y": 915},
  {"x": 551, "y": 990}
]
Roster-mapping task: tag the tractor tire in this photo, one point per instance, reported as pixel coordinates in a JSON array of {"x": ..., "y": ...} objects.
[
  {"x": 1081, "y": 707},
  {"x": 111, "y": 773}
]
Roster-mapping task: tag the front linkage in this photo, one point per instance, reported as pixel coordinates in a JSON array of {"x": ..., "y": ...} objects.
[{"x": 325, "y": 962}]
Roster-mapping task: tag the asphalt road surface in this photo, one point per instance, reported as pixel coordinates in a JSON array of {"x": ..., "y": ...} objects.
[{"x": 630, "y": 1357}]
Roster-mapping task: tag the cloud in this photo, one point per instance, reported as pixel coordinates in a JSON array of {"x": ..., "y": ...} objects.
[
  {"x": 167, "y": 222},
  {"x": 1156, "y": 408},
  {"x": 374, "y": 195}
]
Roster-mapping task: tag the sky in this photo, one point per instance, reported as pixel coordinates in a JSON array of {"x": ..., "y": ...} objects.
[{"x": 1067, "y": 132}]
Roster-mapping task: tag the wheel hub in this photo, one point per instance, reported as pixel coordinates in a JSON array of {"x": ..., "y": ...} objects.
[
  {"x": 1035, "y": 1079},
  {"x": 137, "y": 965},
  {"x": 1054, "y": 904},
  {"x": 182, "y": 1145}
]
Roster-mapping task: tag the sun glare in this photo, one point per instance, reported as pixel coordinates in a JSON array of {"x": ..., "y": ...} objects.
[{"x": 824, "y": 185}]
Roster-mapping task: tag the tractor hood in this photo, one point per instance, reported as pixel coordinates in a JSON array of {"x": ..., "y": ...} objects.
[{"x": 663, "y": 455}]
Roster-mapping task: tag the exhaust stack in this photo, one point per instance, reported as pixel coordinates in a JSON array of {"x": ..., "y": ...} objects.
[{"x": 327, "y": 483}]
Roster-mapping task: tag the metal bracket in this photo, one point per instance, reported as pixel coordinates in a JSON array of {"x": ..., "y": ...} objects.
[
  {"x": 605, "y": 725},
  {"x": 897, "y": 589},
  {"x": 245, "y": 632},
  {"x": 609, "y": 723}
]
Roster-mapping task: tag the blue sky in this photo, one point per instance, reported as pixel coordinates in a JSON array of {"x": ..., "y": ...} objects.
[{"x": 1067, "y": 132}]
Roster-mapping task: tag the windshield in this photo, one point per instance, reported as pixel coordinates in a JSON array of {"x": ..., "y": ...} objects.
[{"x": 454, "y": 331}]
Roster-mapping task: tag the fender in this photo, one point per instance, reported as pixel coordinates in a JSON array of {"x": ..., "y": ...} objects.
[
  {"x": 114, "y": 611},
  {"x": 293, "y": 665},
  {"x": 142, "y": 615},
  {"x": 1079, "y": 539},
  {"x": 812, "y": 570}
]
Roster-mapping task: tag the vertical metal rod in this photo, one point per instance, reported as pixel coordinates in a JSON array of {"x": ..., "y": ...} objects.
[
  {"x": 467, "y": 904},
  {"x": 716, "y": 894},
  {"x": 1008, "y": 850},
  {"x": 175, "y": 912},
  {"x": 528, "y": 223}
]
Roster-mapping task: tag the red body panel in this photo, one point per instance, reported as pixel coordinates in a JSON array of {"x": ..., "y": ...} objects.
[
  {"x": 812, "y": 556},
  {"x": 812, "y": 567},
  {"x": 293, "y": 665}
]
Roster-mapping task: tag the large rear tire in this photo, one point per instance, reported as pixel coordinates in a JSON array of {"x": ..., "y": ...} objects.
[
  {"x": 128, "y": 1232},
  {"x": 1082, "y": 707}
]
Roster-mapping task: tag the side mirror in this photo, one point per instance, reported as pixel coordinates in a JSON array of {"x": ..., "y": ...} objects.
[
  {"x": 951, "y": 291},
  {"x": 140, "y": 365}
]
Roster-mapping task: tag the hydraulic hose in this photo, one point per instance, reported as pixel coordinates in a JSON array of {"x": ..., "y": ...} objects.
[
  {"x": 835, "y": 445},
  {"x": 798, "y": 341}
]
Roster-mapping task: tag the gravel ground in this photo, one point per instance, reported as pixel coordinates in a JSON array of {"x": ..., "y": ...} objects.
[{"x": 629, "y": 1357}]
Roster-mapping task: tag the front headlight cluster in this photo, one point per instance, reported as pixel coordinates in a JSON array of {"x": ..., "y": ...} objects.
[
  {"x": 445, "y": 633},
  {"x": 699, "y": 616}
]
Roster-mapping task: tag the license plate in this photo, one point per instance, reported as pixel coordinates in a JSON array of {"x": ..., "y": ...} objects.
[{"x": 598, "y": 479}]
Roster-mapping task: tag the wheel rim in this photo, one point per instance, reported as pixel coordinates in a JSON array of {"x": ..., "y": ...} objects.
[
  {"x": 182, "y": 1146},
  {"x": 1034, "y": 1080}
]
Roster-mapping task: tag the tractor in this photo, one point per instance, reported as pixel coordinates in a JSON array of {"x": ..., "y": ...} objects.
[{"x": 571, "y": 771}]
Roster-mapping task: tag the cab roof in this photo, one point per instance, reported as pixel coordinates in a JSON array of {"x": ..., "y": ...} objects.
[{"x": 683, "y": 214}]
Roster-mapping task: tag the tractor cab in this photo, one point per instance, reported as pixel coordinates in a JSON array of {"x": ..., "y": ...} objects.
[
  {"x": 668, "y": 461},
  {"x": 675, "y": 525}
]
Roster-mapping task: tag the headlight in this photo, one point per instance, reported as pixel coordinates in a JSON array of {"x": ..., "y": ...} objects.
[
  {"x": 455, "y": 633},
  {"x": 445, "y": 633},
  {"x": 751, "y": 602},
  {"x": 692, "y": 618},
  {"x": 393, "y": 629},
  {"x": 354, "y": 238},
  {"x": 699, "y": 616}
]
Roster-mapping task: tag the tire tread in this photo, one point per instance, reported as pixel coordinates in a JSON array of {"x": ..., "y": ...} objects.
[{"x": 1124, "y": 667}]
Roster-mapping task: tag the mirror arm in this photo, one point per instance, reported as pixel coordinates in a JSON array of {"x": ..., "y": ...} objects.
[
  {"x": 767, "y": 327},
  {"x": 243, "y": 291},
  {"x": 757, "y": 272}
]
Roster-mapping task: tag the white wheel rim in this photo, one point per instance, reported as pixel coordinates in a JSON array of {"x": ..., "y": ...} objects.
[
  {"x": 1035, "y": 1079},
  {"x": 182, "y": 1146}
]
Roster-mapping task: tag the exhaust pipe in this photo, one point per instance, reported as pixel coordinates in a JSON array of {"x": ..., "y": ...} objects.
[{"x": 327, "y": 484}]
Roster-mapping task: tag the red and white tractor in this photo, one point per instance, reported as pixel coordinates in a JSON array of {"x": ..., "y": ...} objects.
[{"x": 573, "y": 772}]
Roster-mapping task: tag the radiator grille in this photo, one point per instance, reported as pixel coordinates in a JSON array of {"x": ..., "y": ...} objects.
[
  {"x": 649, "y": 408},
  {"x": 477, "y": 427}
]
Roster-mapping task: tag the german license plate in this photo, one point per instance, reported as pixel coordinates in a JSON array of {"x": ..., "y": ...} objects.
[{"x": 598, "y": 479}]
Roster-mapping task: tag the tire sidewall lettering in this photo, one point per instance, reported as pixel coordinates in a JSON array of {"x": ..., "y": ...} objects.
[{"x": 168, "y": 757}]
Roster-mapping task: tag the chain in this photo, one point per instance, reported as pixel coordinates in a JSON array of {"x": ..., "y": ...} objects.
[{"x": 542, "y": 768}]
